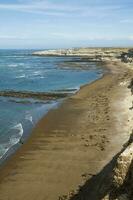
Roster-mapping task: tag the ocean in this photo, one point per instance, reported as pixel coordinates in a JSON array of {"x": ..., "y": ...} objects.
[{"x": 20, "y": 71}]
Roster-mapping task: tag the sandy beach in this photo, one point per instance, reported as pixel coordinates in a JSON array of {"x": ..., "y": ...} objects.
[{"x": 69, "y": 150}]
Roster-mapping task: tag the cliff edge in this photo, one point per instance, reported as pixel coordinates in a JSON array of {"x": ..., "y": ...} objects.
[{"x": 122, "y": 176}]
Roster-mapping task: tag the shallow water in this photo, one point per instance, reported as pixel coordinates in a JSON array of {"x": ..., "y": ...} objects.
[{"x": 20, "y": 71}]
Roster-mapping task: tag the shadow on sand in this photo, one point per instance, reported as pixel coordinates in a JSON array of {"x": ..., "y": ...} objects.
[{"x": 97, "y": 187}]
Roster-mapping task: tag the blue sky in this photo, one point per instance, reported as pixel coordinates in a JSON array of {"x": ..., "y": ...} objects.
[{"x": 65, "y": 23}]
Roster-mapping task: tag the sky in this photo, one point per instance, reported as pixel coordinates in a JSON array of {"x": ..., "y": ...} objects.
[{"x": 45, "y": 24}]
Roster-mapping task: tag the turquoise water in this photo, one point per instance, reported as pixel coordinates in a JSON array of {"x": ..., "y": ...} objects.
[{"x": 20, "y": 71}]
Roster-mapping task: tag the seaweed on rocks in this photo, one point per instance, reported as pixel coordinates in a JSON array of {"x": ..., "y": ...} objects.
[{"x": 34, "y": 95}]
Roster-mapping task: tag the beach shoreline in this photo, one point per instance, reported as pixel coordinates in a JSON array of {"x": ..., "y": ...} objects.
[{"x": 74, "y": 142}]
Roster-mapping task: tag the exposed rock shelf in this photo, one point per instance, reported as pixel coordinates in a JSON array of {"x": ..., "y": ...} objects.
[
  {"x": 93, "y": 54},
  {"x": 34, "y": 95}
]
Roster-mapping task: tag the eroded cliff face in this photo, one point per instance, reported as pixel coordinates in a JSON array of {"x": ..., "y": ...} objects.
[{"x": 122, "y": 177}]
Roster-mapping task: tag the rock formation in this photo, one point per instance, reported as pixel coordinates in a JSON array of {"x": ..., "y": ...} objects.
[
  {"x": 93, "y": 54},
  {"x": 122, "y": 176},
  {"x": 127, "y": 57}
]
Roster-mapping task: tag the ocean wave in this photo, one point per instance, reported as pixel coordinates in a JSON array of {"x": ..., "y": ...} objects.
[
  {"x": 29, "y": 117},
  {"x": 14, "y": 139},
  {"x": 36, "y": 73},
  {"x": 20, "y": 128},
  {"x": 26, "y": 101},
  {"x": 12, "y": 65},
  {"x": 42, "y": 77},
  {"x": 13, "y": 56},
  {"x": 21, "y": 76},
  {"x": 3, "y": 150},
  {"x": 70, "y": 90}
]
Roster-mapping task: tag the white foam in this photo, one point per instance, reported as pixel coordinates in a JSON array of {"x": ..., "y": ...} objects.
[
  {"x": 13, "y": 65},
  {"x": 20, "y": 128},
  {"x": 29, "y": 118},
  {"x": 13, "y": 140},
  {"x": 36, "y": 73},
  {"x": 21, "y": 76},
  {"x": 3, "y": 150},
  {"x": 74, "y": 88}
]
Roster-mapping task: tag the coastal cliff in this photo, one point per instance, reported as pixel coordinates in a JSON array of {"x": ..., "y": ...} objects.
[
  {"x": 93, "y": 54},
  {"x": 122, "y": 177}
]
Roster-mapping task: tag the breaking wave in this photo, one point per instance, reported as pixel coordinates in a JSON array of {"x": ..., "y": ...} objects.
[{"x": 14, "y": 139}]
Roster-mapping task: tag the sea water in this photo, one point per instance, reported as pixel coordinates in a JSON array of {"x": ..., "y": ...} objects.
[{"x": 21, "y": 71}]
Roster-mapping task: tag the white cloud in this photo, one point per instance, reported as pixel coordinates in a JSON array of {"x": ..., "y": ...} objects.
[
  {"x": 12, "y": 37},
  {"x": 48, "y": 8},
  {"x": 38, "y": 6}
]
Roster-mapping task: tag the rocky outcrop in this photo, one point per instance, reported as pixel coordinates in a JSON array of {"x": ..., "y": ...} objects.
[
  {"x": 93, "y": 54},
  {"x": 122, "y": 180},
  {"x": 127, "y": 57},
  {"x": 35, "y": 95},
  {"x": 121, "y": 170}
]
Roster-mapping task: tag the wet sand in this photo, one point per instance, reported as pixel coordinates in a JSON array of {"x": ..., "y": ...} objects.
[{"x": 73, "y": 142}]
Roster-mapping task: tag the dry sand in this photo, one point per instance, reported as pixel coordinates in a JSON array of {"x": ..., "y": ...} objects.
[{"x": 70, "y": 147}]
